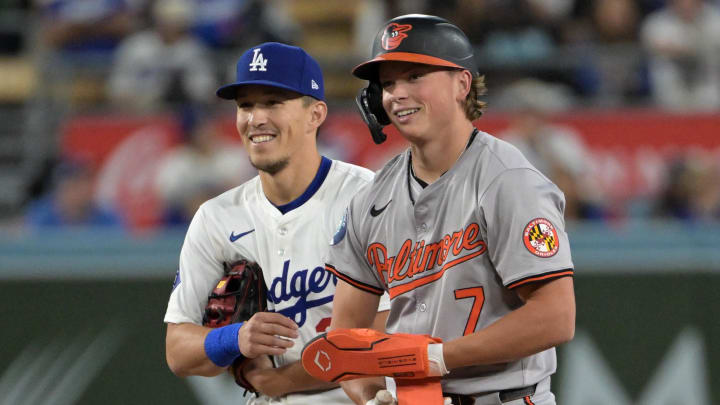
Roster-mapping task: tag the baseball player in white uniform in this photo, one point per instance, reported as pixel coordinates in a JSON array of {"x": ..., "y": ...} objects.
[
  {"x": 282, "y": 219},
  {"x": 466, "y": 236}
]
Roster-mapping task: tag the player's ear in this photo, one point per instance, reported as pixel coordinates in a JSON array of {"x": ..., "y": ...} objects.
[
  {"x": 318, "y": 113},
  {"x": 463, "y": 81}
]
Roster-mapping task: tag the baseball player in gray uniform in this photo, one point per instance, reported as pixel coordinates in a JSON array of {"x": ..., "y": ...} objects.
[{"x": 466, "y": 236}]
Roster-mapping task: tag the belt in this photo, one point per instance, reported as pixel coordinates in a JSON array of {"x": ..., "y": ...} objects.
[
  {"x": 505, "y": 395},
  {"x": 517, "y": 393}
]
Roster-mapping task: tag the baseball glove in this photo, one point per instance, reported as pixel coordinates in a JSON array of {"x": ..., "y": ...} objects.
[{"x": 236, "y": 298}]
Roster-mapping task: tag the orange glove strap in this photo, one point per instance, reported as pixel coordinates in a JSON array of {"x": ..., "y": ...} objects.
[{"x": 426, "y": 391}]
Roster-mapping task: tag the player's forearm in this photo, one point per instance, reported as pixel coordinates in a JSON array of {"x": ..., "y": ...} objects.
[
  {"x": 363, "y": 389},
  {"x": 354, "y": 308},
  {"x": 185, "y": 351},
  {"x": 546, "y": 320},
  {"x": 285, "y": 380}
]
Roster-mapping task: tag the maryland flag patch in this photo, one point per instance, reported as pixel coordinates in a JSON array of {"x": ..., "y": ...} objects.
[{"x": 541, "y": 238}]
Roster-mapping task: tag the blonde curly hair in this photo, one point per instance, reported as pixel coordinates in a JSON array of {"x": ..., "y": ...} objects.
[{"x": 473, "y": 106}]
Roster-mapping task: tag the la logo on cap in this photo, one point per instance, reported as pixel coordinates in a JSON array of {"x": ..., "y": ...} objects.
[{"x": 258, "y": 63}]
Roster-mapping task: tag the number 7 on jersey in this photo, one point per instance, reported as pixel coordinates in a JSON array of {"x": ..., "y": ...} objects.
[{"x": 478, "y": 296}]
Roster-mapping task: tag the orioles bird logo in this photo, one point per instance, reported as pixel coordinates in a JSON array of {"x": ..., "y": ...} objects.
[{"x": 394, "y": 34}]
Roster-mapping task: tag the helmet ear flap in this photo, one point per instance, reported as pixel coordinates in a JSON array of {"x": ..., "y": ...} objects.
[
  {"x": 369, "y": 102},
  {"x": 374, "y": 95}
]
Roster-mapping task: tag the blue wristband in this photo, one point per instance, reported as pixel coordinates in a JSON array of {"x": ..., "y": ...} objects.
[{"x": 221, "y": 345}]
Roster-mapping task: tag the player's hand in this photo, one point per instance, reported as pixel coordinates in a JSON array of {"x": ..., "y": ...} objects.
[
  {"x": 266, "y": 333},
  {"x": 259, "y": 373},
  {"x": 382, "y": 397}
]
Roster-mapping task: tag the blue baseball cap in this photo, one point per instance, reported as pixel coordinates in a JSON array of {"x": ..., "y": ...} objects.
[{"x": 277, "y": 65}]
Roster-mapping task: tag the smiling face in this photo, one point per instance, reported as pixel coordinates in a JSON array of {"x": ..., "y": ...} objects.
[
  {"x": 422, "y": 100},
  {"x": 277, "y": 126}
]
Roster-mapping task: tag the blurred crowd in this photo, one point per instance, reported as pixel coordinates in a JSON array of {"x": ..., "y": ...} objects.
[
  {"x": 540, "y": 57},
  {"x": 609, "y": 52}
]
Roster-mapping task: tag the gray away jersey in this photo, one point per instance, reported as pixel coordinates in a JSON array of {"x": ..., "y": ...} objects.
[{"x": 450, "y": 254}]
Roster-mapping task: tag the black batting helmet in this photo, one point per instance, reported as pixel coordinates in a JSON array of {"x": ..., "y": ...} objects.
[{"x": 419, "y": 38}]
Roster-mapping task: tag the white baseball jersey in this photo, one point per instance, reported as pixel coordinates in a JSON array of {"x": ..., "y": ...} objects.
[
  {"x": 290, "y": 248},
  {"x": 451, "y": 253}
]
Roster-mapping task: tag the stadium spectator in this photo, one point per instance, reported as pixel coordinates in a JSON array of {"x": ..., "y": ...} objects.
[
  {"x": 14, "y": 15},
  {"x": 519, "y": 32},
  {"x": 84, "y": 25},
  {"x": 204, "y": 165},
  {"x": 615, "y": 21},
  {"x": 231, "y": 24},
  {"x": 76, "y": 43},
  {"x": 71, "y": 202},
  {"x": 557, "y": 151},
  {"x": 616, "y": 25},
  {"x": 683, "y": 41},
  {"x": 692, "y": 190},
  {"x": 163, "y": 64}
]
